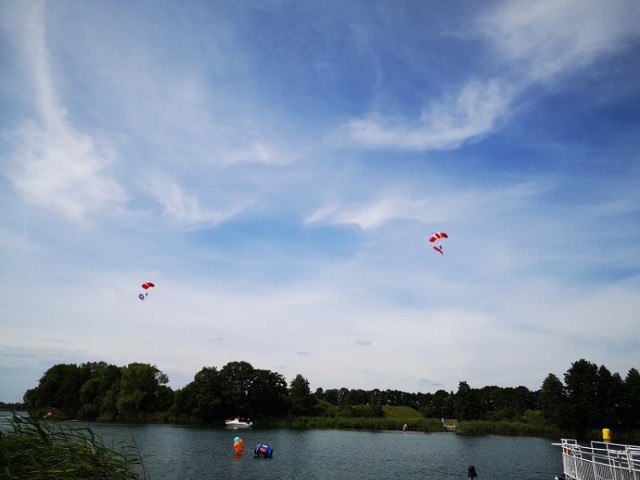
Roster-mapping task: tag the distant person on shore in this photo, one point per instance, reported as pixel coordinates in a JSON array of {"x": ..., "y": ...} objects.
[
  {"x": 471, "y": 472},
  {"x": 404, "y": 427}
]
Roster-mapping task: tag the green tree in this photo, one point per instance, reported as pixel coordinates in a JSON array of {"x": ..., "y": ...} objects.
[
  {"x": 442, "y": 405},
  {"x": 202, "y": 398},
  {"x": 357, "y": 396},
  {"x": 300, "y": 399},
  {"x": 250, "y": 392},
  {"x": 467, "y": 403},
  {"x": 268, "y": 394},
  {"x": 235, "y": 382},
  {"x": 393, "y": 397},
  {"x": 610, "y": 397},
  {"x": 93, "y": 392},
  {"x": 331, "y": 395},
  {"x": 631, "y": 411},
  {"x": 581, "y": 381},
  {"x": 59, "y": 389},
  {"x": 140, "y": 391},
  {"x": 553, "y": 401}
]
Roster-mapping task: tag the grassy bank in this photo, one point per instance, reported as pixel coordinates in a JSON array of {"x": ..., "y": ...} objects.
[
  {"x": 359, "y": 423},
  {"x": 427, "y": 425},
  {"x": 394, "y": 418},
  {"x": 531, "y": 424},
  {"x": 48, "y": 450}
]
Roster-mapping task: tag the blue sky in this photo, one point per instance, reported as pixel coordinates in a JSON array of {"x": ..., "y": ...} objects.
[{"x": 276, "y": 168}]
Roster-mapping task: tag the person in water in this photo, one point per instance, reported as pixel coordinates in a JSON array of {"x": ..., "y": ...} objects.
[{"x": 471, "y": 472}]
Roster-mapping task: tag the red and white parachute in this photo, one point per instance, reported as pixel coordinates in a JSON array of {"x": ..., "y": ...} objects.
[
  {"x": 146, "y": 286},
  {"x": 438, "y": 236}
]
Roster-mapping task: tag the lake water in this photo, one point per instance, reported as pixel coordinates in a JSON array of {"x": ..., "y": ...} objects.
[
  {"x": 178, "y": 452},
  {"x": 182, "y": 452}
]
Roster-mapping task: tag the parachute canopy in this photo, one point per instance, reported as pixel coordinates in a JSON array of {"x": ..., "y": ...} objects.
[{"x": 438, "y": 235}]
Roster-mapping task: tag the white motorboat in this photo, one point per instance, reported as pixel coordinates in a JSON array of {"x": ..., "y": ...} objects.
[{"x": 237, "y": 423}]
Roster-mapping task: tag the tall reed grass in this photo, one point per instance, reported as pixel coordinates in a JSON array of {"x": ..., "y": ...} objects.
[
  {"x": 34, "y": 450},
  {"x": 359, "y": 423},
  {"x": 514, "y": 429}
]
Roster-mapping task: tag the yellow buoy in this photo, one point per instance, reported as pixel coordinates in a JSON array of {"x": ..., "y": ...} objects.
[{"x": 606, "y": 435}]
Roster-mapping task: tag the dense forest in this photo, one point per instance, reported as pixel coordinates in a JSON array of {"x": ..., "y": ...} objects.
[{"x": 590, "y": 397}]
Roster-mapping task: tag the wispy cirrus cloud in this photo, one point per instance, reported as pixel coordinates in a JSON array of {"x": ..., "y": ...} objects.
[
  {"x": 185, "y": 210},
  {"x": 471, "y": 113},
  {"x": 529, "y": 42},
  {"x": 53, "y": 164},
  {"x": 259, "y": 152},
  {"x": 367, "y": 216},
  {"x": 545, "y": 38},
  {"x": 63, "y": 170},
  {"x": 436, "y": 206}
]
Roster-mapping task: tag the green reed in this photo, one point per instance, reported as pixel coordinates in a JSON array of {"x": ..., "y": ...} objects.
[
  {"x": 60, "y": 450},
  {"x": 358, "y": 423},
  {"x": 514, "y": 429}
]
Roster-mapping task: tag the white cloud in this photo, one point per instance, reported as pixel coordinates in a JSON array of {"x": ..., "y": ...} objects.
[
  {"x": 537, "y": 41},
  {"x": 184, "y": 210},
  {"x": 441, "y": 204},
  {"x": 64, "y": 171},
  {"x": 53, "y": 164},
  {"x": 259, "y": 152},
  {"x": 365, "y": 219},
  {"x": 368, "y": 216},
  {"x": 549, "y": 37},
  {"x": 475, "y": 111}
]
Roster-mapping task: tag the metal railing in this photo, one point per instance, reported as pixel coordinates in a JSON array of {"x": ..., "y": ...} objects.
[{"x": 600, "y": 461}]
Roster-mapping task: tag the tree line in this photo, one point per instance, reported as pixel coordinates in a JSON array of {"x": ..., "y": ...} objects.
[{"x": 590, "y": 397}]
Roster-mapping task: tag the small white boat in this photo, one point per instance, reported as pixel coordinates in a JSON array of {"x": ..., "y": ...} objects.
[{"x": 237, "y": 423}]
